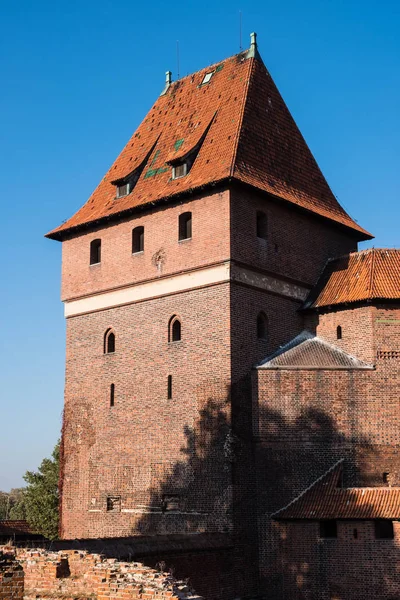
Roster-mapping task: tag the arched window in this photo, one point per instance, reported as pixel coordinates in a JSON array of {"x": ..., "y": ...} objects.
[
  {"x": 138, "y": 239},
  {"x": 95, "y": 252},
  {"x": 338, "y": 332},
  {"x": 262, "y": 225},
  {"x": 109, "y": 341},
  {"x": 185, "y": 226},
  {"x": 262, "y": 326},
  {"x": 174, "y": 329}
]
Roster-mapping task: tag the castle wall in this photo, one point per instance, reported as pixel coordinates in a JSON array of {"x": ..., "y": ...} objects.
[
  {"x": 298, "y": 244},
  {"x": 306, "y": 420},
  {"x": 147, "y": 446},
  {"x": 163, "y": 254},
  {"x": 79, "y": 575},
  {"x": 346, "y": 568}
]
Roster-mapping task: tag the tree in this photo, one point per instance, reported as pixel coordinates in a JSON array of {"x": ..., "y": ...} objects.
[
  {"x": 17, "y": 504},
  {"x": 40, "y": 497}
]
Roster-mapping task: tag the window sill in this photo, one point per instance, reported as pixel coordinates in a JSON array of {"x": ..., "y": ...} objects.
[
  {"x": 184, "y": 240},
  {"x": 95, "y": 264},
  {"x": 138, "y": 252}
]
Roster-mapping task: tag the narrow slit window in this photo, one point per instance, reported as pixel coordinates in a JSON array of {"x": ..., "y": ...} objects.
[
  {"x": 262, "y": 326},
  {"x": 95, "y": 252},
  {"x": 109, "y": 342},
  {"x": 169, "y": 387},
  {"x": 175, "y": 329},
  {"x": 338, "y": 332},
  {"x": 384, "y": 529},
  {"x": 262, "y": 225},
  {"x": 328, "y": 529},
  {"x": 185, "y": 226},
  {"x": 138, "y": 240},
  {"x": 385, "y": 477},
  {"x": 112, "y": 394}
]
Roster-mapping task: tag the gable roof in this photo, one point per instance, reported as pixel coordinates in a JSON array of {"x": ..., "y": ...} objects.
[
  {"x": 306, "y": 351},
  {"x": 251, "y": 137},
  {"x": 368, "y": 275},
  {"x": 325, "y": 499}
]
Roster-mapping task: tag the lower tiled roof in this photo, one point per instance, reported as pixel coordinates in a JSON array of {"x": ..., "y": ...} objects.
[
  {"x": 325, "y": 499},
  {"x": 20, "y": 527},
  {"x": 306, "y": 351},
  {"x": 368, "y": 275}
]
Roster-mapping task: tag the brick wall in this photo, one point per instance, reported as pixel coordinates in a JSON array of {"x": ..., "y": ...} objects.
[
  {"x": 163, "y": 253},
  {"x": 346, "y": 568},
  {"x": 11, "y": 577},
  {"x": 298, "y": 244},
  {"x": 79, "y": 575},
  {"x": 147, "y": 445},
  {"x": 305, "y": 420}
]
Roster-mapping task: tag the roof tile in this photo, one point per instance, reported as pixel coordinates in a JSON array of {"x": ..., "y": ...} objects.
[
  {"x": 325, "y": 499},
  {"x": 372, "y": 274},
  {"x": 252, "y": 138}
]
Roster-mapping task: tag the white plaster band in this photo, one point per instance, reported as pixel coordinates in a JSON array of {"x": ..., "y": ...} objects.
[{"x": 179, "y": 283}]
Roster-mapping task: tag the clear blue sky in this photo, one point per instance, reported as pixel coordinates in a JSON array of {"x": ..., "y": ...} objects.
[{"x": 77, "y": 77}]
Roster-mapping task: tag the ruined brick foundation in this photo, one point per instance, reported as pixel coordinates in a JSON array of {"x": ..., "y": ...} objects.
[{"x": 78, "y": 575}]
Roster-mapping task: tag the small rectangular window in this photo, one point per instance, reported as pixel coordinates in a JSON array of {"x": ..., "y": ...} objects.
[
  {"x": 123, "y": 190},
  {"x": 179, "y": 171},
  {"x": 112, "y": 394},
  {"x": 171, "y": 502},
  {"x": 95, "y": 252},
  {"x": 262, "y": 225},
  {"x": 385, "y": 477},
  {"x": 138, "y": 240},
  {"x": 384, "y": 529},
  {"x": 169, "y": 386},
  {"x": 113, "y": 503},
  {"x": 328, "y": 529},
  {"x": 185, "y": 226}
]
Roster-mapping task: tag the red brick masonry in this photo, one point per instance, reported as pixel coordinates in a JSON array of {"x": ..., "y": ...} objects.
[{"x": 79, "y": 575}]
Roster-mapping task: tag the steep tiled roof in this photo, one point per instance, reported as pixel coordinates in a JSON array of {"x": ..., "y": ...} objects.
[
  {"x": 249, "y": 135},
  {"x": 307, "y": 351},
  {"x": 372, "y": 274},
  {"x": 326, "y": 500}
]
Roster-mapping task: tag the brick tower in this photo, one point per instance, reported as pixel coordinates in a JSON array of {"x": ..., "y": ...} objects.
[{"x": 186, "y": 267}]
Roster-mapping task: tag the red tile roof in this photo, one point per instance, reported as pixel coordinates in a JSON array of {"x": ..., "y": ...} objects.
[
  {"x": 372, "y": 274},
  {"x": 251, "y": 138},
  {"x": 9, "y": 527},
  {"x": 306, "y": 351},
  {"x": 325, "y": 500}
]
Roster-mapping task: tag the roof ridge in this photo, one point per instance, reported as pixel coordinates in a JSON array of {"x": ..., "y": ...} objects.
[
  {"x": 241, "y": 116},
  {"x": 214, "y": 64},
  {"x": 330, "y": 470},
  {"x": 371, "y": 282}
]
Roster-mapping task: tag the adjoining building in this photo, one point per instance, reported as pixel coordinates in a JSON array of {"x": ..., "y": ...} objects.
[{"x": 232, "y": 367}]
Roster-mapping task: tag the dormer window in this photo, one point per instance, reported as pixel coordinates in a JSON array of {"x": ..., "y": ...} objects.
[
  {"x": 123, "y": 190},
  {"x": 179, "y": 170}
]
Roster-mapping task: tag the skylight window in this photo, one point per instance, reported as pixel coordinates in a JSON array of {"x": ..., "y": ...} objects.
[{"x": 207, "y": 77}]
